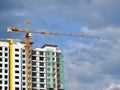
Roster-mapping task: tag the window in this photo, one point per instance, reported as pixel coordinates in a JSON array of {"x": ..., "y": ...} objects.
[
  {"x": 24, "y": 89},
  {"x": 23, "y": 56},
  {"x": 34, "y": 74},
  {"x": 0, "y": 48},
  {"x": 16, "y": 49},
  {"x": 23, "y": 61},
  {"x": 41, "y": 74},
  {"x": 33, "y": 52},
  {"x": 23, "y": 72},
  {"x": 6, "y": 54},
  {"x": 41, "y": 64},
  {"x": 48, "y": 69},
  {"x": 23, "y": 78},
  {"x": 17, "y": 66},
  {"x": 16, "y": 71},
  {"x": 34, "y": 79},
  {"x": 16, "y": 60},
  {"x": 41, "y": 58},
  {"x": 48, "y": 63},
  {"x": 0, "y": 65},
  {"x": 5, "y": 82},
  {"x": 16, "y": 82},
  {"x": 16, "y": 55},
  {"x": 6, "y": 60},
  {"x": 41, "y": 80},
  {"x": 48, "y": 52},
  {"x": 33, "y": 58},
  {"x": 16, "y": 77},
  {"x": 6, "y": 49},
  {"x": 6, "y": 71},
  {"x": 53, "y": 53},
  {"x": 0, "y": 70},
  {"x": 0, "y": 59},
  {"x": 0, "y": 81},
  {"x": 53, "y": 58},
  {"x": 6, "y": 76},
  {"x": 34, "y": 68},
  {"x": 49, "y": 85},
  {"x": 0, "y": 87},
  {"x": 16, "y": 88},
  {"x": 42, "y": 85},
  {"x": 6, "y": 88},
  {"x": 23, "y": 50},
  {"x": 41, "y": 69},
  {"x": 23, "y": 67},
  {"x": 24, "y": 83},
  {"x": 48, "y": 74},
  {"x": 41, "y": 53},
  {"x": 6, "y": 65},
  {"x": 0, "y": 53},
  {"x": 48, "y": 80},
  {"x": 58, "y": 65},
  {"x": 34, "y": 85},
  {"x": 33, "y": 63},
  {"x": 48, "y": 58},
  {"x": 0, "y": 76}
]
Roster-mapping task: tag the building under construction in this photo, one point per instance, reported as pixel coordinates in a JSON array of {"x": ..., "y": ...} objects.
[
  {"x": 47, "y": 69},
  {"x": 43, "y": 66}
]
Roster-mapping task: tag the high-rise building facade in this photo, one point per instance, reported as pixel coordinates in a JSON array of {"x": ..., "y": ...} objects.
[
  {"x": 47, "y": 68},
  {"x": 4, "y": 65},
  {"x": 12, "y": 65}
]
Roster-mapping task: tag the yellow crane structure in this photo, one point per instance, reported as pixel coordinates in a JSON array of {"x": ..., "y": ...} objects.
[{"x": 28, "y": 45}]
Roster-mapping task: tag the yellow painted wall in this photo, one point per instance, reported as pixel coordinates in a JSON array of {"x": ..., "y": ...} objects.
[{"x": 10, "y": 64}]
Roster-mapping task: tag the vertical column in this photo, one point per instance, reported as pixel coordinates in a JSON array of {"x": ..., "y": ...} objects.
[
  {"x": 10, "y": 64},
  {"x": 55, "y": 72}
]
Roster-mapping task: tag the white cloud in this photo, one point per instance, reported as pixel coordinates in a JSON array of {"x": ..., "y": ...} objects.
[
  {"x": 113, "y": 86},
  {"x": 92, "y": 66}
]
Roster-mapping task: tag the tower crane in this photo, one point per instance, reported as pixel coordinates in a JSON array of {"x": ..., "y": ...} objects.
[{"x": 28, "y": 45}]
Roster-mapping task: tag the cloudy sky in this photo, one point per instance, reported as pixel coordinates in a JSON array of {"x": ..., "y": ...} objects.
[{"x": 90, "y": 64}]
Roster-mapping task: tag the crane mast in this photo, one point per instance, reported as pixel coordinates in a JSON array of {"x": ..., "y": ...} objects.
[
  {"x": 28, "y": 45},
  {"x": 27, "y": 48}
]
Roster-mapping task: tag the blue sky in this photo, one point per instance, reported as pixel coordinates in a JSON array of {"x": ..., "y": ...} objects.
[{"x": 90, "y": 64}]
